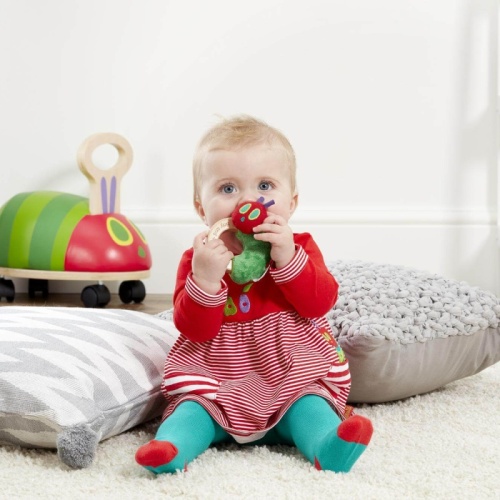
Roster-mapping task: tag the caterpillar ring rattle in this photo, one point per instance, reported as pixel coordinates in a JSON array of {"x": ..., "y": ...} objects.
[{"x": 252, "y": 263}]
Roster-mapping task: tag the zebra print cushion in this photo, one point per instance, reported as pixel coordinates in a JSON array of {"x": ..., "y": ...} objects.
[{"x": 70, "y": 377}]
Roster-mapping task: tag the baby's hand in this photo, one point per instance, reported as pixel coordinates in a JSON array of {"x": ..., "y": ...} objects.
[
  {"x": 210, "y": 261},
  {"x": 275, "y": 230}
]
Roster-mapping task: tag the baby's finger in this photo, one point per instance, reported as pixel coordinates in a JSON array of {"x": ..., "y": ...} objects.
[
  {"x": 268, "y": 237},
  {"x": 275, "y": 219},
  {"x": 200, "y": 239},
  {"x": 267, "y": 228}
]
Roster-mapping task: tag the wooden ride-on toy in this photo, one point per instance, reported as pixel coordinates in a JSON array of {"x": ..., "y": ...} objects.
[{"x": 48, "y": 235}]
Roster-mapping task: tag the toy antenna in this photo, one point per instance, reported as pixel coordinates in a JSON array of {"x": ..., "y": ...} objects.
[{"x": 104, "y": 183}]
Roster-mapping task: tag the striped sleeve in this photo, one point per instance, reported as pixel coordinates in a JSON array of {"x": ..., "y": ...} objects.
[
  {"x": 203, "y": 298},
  {"x": 293, "y": 269},
  {"x": 197, "y": 314}
]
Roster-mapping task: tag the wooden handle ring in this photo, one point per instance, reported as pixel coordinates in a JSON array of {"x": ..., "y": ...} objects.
[{"x": 221, "y": 226}]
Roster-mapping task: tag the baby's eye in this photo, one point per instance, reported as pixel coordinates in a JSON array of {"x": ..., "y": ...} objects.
[
  {"x": 265, "y": 186},
  {"x": 227, "y": 189}
]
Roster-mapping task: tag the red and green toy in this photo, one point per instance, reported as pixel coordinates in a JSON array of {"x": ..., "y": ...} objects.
[{"x": 252, "y": 263}]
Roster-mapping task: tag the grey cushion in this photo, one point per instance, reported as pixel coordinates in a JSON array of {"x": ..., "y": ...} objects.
[
  {"x": 70, "y": 377},
  {"x": 407, "y": 332}
]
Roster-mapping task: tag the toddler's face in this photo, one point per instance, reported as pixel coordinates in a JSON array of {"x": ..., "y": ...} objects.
[{"x": 231, "y": 177}]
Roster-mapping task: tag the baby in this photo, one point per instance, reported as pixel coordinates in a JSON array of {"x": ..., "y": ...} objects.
[{"x": 269, "y": 372}]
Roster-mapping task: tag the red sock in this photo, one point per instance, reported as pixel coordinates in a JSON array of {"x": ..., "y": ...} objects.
[
  {"x": 356, "y": 429},
  {"x": 156, "y": 453}
]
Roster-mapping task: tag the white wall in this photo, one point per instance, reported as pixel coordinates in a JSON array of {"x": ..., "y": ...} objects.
[{"x": 390, "y": 105}]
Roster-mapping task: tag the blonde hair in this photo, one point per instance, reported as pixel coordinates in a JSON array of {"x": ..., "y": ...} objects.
[{"x": 237, "y": 133}]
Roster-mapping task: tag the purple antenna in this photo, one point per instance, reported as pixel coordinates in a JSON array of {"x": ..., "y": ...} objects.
[
  {"x": 268, "y": 204},
  {"x": 104, "y": 196},
  {"x": 112, "y": 195}
]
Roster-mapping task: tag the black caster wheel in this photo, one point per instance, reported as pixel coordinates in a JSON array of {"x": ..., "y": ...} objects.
[
  {"x": 95, "y": 296},
  {"x": 7, "y": 290},
  {"x": 35, "y": 285},
  {"x": 132, "y": 291}
]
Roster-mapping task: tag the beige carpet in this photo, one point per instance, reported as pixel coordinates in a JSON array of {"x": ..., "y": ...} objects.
[{"x": 443, "y": 445}]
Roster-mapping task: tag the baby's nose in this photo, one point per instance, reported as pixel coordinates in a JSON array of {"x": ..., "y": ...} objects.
[{"x": 248, "y": 195}]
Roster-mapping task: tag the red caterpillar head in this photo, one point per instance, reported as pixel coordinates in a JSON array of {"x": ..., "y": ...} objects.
[{"x": 249, "y": 214}]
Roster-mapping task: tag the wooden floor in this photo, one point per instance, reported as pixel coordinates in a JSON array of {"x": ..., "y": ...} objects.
[{"x": 152, "y": 304}]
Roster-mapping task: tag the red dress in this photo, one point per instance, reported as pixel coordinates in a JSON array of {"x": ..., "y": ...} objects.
[{"x": 247, "y": 353}]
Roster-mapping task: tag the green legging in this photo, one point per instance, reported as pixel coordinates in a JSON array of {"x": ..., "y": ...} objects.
[{"x": 310, "y": 424}]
